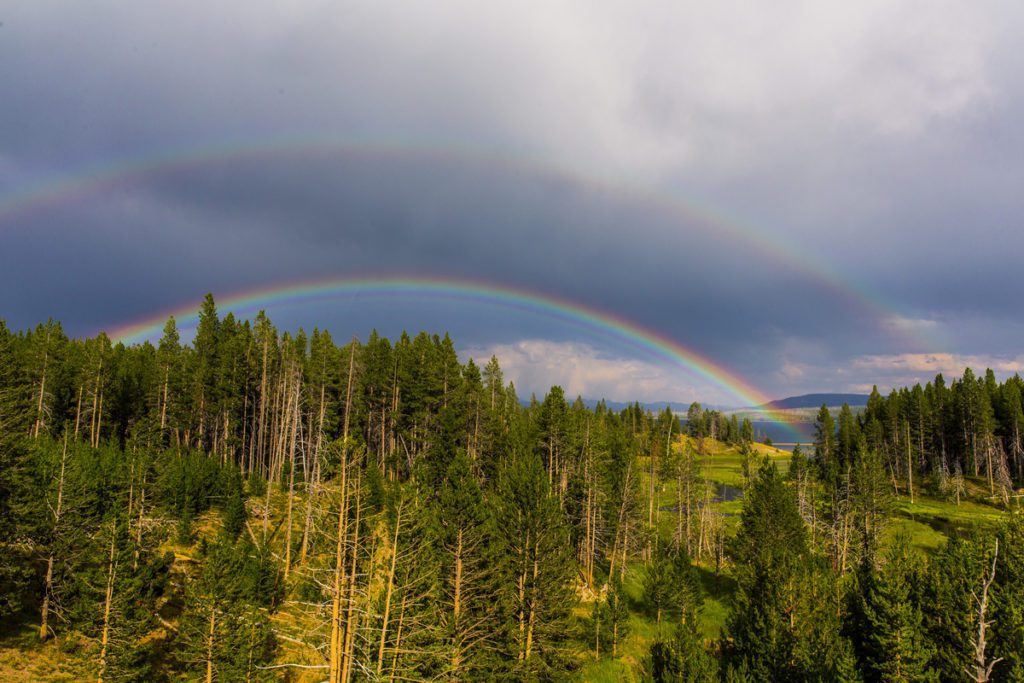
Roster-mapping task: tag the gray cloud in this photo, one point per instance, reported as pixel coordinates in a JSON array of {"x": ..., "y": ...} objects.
[{"x": 876, "y": 142}]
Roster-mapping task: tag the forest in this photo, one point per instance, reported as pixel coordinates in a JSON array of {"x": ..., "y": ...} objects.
[{"x": 260, "y": 505}]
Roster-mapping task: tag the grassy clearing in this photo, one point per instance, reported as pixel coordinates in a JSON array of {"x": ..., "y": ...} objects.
[
  {"x": 23, "y": 658},
  {"x": 928, "y": 522}
]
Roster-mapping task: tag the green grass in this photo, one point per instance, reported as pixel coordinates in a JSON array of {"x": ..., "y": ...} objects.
[
  {"x": 920, "y": 534},
  {"x": 718, "y": 591},
  {"x": 24, "y": 658},
  {"x": 642, "y": 632},
  {"x": 967, "y": 513},
  {"x": 927, "y": 521}
]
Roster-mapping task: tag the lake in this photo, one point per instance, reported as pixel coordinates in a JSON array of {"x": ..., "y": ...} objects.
[{"x": 784, "y": 434}]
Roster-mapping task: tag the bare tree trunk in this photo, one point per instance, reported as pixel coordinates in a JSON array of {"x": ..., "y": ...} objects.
[
  {"x": 99, "y": 422},
  {"x": 398, "y": 640},
  {"x": 705, "y": 508},
  {"x": 689, "y": 506},
  {"x": 521, "y": 585},
  {"x": 42, "y": 387},
  {"x": 78, "y": 409},
  {"x": 263, "y": 406},
  {"x": 348, "y": 397},
  {"x": 48, "y": 585},
  {"x": 350, "y": 617},
  {"x": 105, "y": 637},
  {"x": 533, "y": 601},
  {"x": 163, "y": 403},
  {"x": 390, "y": 590},
  {"x": 138, "y": 528},
  {"x": 910, "y": 468},
  {"x": 291, "y": 480},
  {"x": 846, "y": 525},
  {"x": 277, "y": 439},
  {"x": 95, "y": 402},
  {"x": 983, "y": 667},
  {"x": 457, "y": 607},
  {"x": 988, "y": 466},
  {"x": 336, "y": 625},
  {"x": 339, "y": 564},
  {"x": 209, "y": 643},
  {"x": 650, "y": 504},
  {"x": 311, "y": 489},
  {"x": 588, "y": 539}
]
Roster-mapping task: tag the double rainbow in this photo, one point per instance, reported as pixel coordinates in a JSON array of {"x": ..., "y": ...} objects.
[
  {"x": 461, "y": 290},
  {"x": 55, "y": 190},
  {"x": 86, "y": 182}
]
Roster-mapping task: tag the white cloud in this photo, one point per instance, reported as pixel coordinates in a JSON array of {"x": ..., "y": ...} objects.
[
  {"x": 933, "y": 363},
  {"x": 534, "y": 365}
]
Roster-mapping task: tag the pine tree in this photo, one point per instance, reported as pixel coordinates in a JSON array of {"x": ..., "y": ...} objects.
[
  {"x": 682, "y": 659},
  {"x": 224, "y": 632},
  {"x": 235, "y": 514},
  {"x": 536, "y": 569},
  {"x": 825, "y": 445},
  {"x": 784, "y": 623},
  {"x": 896, "y": 643},
  {"x": 1007, "y": 608},
  {"x": 671, "y": 588},
  {"x": 946, "y": 603},
  {"x": 465, "y": 605}
]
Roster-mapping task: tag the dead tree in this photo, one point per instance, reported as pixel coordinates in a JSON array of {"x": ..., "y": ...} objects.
[{"x": 982, "y": 667}]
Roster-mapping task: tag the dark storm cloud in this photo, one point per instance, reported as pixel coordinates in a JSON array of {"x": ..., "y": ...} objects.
[
  {"x": 279, "y": 218},
  {"x": 883, "y": 154}
]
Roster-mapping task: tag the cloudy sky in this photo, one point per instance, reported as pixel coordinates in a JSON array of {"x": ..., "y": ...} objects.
[{"x": 817, "y": 196}]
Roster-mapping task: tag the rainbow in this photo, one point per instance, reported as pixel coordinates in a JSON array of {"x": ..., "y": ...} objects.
[
  {"x": 52, "y": 191},
  {"x": 594, "y": 320}
]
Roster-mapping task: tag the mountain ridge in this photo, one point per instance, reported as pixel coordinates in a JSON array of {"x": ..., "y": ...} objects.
[{"x": 815, "y": 400}]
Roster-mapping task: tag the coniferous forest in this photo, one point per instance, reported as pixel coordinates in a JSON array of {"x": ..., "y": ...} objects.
[{"x": 264, "y": 505}]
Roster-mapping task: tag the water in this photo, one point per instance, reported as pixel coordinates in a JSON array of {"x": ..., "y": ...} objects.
[
  {"x": 784, "y": 434},
  {"x": 723, "y": 494},
  {"x": 941, "y": 524}
]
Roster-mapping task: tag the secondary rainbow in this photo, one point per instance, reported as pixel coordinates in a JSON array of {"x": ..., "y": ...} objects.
[
  {"x": 592, "y": 319},
  {"x": 85, "y": 182}
]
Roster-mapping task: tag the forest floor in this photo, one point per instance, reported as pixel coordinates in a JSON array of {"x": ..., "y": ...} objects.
[
  {"x": 928, "y": 521},
  {"x": 24, "y": 659}
]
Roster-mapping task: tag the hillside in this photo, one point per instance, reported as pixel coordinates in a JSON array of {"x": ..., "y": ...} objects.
[
  {"x": 259, "y": 505},
  {"x": 926, "y": 523},
  {"x": 816, "y": 401}
]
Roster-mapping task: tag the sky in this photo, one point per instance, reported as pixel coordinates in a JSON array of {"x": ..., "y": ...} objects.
[{"x": 816, "y": 196}]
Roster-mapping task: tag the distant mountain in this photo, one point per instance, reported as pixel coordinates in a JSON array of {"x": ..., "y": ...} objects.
[
  {"x": 677, "y": 407},
  {"x": 792, "y": 403},
  {"x": 653, "y": 406},
  {"x": 816, "y": 401}
]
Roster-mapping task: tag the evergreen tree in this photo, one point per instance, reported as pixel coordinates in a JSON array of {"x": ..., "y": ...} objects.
[
  {"x": 670, "y": 586},
  {"x": 1008, "y": 609},
  {"x": 682, "y": 659},
  {"x": 235, "y": 514},
  {"x": 784, "y": 624},
  {"x": 467, "y": 582},
  {"x": 895, "y": 641},
  {"x": 224, "y": 632},
  {"x": 949, "y": 613},
  {"x": 536, "y": 570},
  {"x": 825, "y": 444}
]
